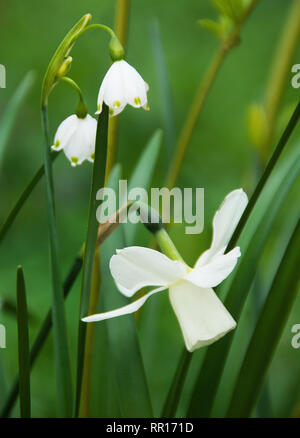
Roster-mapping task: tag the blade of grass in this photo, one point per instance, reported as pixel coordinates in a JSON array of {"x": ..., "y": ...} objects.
[
  {"x": 22, "y": 199},
  {"x": 98, "y": 179},
  {"x": 12, "y": 111},
  {"x": 63, "y": 371},
  {"x": 23, "y": 346},
  {"x": 211, "y": 371},
  {"x": 268, "y": 331}
]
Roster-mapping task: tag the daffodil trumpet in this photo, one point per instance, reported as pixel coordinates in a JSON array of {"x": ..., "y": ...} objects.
[{"x": 201, "y": 314}]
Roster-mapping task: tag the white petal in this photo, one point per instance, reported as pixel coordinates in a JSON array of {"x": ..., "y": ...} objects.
[
  {"x": 130, "y": 308},
  {"x": 114, "y": 92},
  {"x": 202, "y": 316},
  {"x": 81, "y": 145},
  {"x": 135, "y": 86},
  {"x": 224, "y": 224},
  {"x": 136, "y": 267},
  {"x": 214, "y": 272},
  {"x": 65, "y": 130}
]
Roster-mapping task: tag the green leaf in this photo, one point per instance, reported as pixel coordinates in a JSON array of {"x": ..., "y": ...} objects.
[
  {"x": 166, "y": 103},
  {"x": 142, "y": 176},
  {"x": 12, "y": 111},
  {"x": 268, "y": 331},
  {"x": 213, "y": 366},
  {"x": 98, "y": 178},
  {"x": 127, "y": 363},
  {"x": 212, "y": 26},
  {"x": 23, "y": 198},
  {"x": 224, "y": 7},
  {"x": 63, "y": 371},
  {"x": 60, "y": 56},
  {"x": 23, "y": 346}
]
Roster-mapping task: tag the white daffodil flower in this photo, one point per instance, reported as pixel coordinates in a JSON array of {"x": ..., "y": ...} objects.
[
  {"x": 122, "y": 85},
  {"x": 202, "y": 316},
  {"x": 77, "y": 137}
]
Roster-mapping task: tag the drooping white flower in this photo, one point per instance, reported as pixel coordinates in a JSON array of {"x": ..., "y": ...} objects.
[
  {"x": 202, "y": 316},
  {"x": 122, "y": 85},
  {"x": 77, "y": 137}
]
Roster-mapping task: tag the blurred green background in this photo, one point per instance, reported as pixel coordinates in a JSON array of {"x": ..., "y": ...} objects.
[{"x": 220, "y": 158}]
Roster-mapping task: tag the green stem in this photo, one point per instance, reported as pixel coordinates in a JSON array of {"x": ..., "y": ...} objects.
[
  {"x": 166, "y": 245},
  {"x": 73, "y": 85},
  {"x": 268, "y": 331},
  {"x": 22, "y": 199},
  {"x": 276, "y": 154},
  {"x": 98, "y": 179},
  {"x": 64, "y": 384},
  {"x": 271, "y": 164},
  {"x": 173, "y": 397},
  {"x": 98, "y": 26},
  {"x": 41, "y": 337},
  {"x": 23, "y": 346},
  {"x": 280, "y": 71},
  {"x": 121, "y": 31},
  {"x": 85, "y": 407},
  {"x": 201, "y": 95}
]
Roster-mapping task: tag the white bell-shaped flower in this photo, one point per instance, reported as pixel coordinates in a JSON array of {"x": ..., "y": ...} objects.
[
  {"x": 77, "y": 137},
  {"x": 202, "y": 316},
  {"x": 122, "y": 85}
]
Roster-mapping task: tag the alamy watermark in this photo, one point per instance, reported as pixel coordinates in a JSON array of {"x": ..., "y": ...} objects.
[
  {"x": 296, "y": 338},
  {"x": 2, "y": 76},
  {"x": 2, "y": 336},
  {"x": 175, "y": 205}
]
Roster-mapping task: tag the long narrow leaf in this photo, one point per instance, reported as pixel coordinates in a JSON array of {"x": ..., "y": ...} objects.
[
  {"x": 98, "y": 179},
  {"x": 127, "y": 363},
  {"x": 5, "y": 226},
  {"x": 213, "y": 366},
  {"x": 12, "y": 111},
  {"x": 63, "y": 371},
  {"x": 268, "y": 331},
  {"x": 142, "y": 175},
  {"x": 23, "y": 345}
]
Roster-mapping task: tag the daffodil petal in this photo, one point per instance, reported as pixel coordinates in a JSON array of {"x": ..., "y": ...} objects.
[
  {"x": 136, "y": 267},
  {"x": 130, "y": 308},
  {"x": 201, "y": 315},
  {"x": 214, "y": 272},
  {"x": 224, "y": 224}
]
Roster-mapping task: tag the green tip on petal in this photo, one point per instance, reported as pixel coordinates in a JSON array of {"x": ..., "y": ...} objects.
[
  {"x": 111, "y": 111},
  {"x": 93, "y": 157},
  {"x": 56, "y": 144},
  {"x": 74, "y": 160},
  {"x": 117, "y": 103},
  {"x": 137, "y": 100}
]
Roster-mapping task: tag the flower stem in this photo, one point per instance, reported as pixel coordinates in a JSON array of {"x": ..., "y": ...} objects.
[
  {"x": 63, "y": 371},
  {"x": 201, "y": 95},
  {"x": 271, "y": 164},
  {"x": 166, "y": 245},
  {"x": 280, "y": 72},
  {"x": 87, "y": 370},
  {"x": 73, "y": 85},
  {"x": 23, "y": 197},
  {"x": 121, "y": 30},
  {"x": 98, "y": 178}
]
